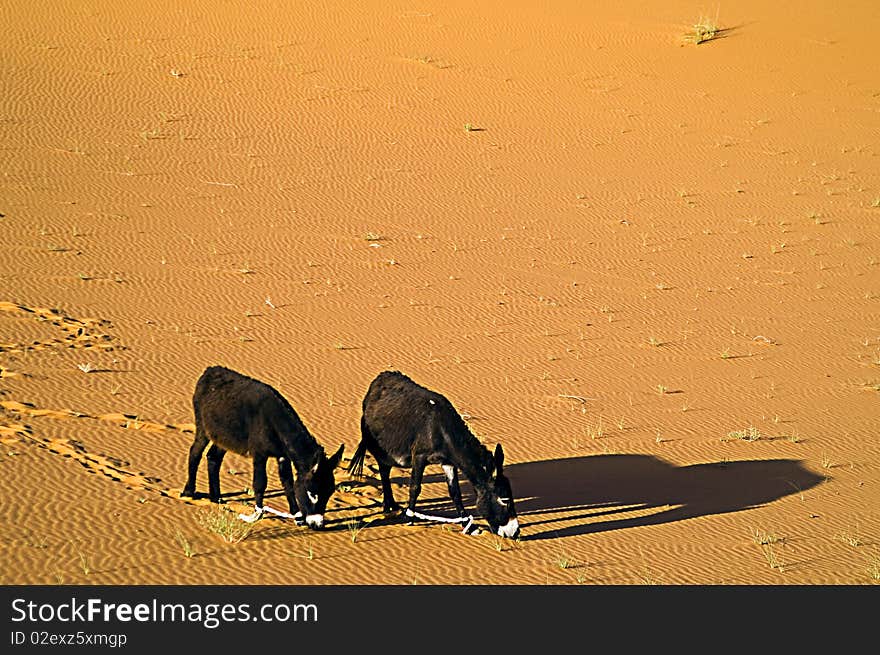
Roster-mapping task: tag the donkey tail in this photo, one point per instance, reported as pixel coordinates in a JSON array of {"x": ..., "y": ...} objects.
[{"x": 356, "y": 466}]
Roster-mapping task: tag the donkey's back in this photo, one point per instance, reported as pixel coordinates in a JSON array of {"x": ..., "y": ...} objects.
[
  {"x": 404, "y": 416},
  {"x": 242, "y": 414}
]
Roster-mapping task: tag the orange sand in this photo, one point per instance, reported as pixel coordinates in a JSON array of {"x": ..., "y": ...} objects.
[{"x": 640, "y": 246}]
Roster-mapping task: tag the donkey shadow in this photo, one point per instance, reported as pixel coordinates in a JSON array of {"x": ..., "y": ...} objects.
[{"x": 594, "y": 490}]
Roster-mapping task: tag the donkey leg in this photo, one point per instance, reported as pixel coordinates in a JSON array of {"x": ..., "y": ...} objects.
[
  {"x": 388, "y": 503},
  {"x": 454, "y": 489},
  {"x": 195, "y": 456},
  {"x": 215, "y": 459},
  {"x": 285, "y": 473},
  {"x": 260, "y": 480},
  {"x": 415, "y": 480}
]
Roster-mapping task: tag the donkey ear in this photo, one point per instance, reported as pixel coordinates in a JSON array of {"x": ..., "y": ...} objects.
[
  {"x": 499, "y": 458},
  {"x": 334, "y": 461},
  {"x": 318, "y": 461}
]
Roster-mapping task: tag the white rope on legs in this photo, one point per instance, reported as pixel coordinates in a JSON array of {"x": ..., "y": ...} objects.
[
  {"x": 258, "y": 512},
  {"x": 467, "y": 520}
]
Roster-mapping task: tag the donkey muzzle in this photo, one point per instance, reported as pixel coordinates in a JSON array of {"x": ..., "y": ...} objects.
[
  {"x": 509, "y": 529},
  {"x": 315, "y": 521}
]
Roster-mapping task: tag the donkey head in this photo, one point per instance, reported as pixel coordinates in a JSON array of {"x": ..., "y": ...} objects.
[
  {"x": 314, "y": 488},
  {"x": 495, "y": 498}
]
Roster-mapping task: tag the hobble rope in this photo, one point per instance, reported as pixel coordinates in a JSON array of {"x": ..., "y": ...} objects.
[
  {"x": 467, "y": 520},
  {"x": 259, "y": 511}
]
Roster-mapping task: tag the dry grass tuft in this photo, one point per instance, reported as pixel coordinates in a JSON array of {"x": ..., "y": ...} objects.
[
  {"x": 751, "y": 433},
  {"x": 225, "y": 524},
  {"x": 703, "y": 30}
]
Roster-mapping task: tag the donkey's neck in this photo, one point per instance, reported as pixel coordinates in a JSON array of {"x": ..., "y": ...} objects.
[
  {"x": 472, "y": 461},
  {"x": 300, "y": 446},
  {"x": 302, "y": 451}
]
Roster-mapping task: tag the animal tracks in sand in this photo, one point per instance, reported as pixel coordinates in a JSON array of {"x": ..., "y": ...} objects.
[
  {"x": 14, "y": 429},
  {"x": 78, "y": 333}
]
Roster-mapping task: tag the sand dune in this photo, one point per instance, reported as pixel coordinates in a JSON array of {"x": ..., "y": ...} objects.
[{"x": 649, "y": 268}]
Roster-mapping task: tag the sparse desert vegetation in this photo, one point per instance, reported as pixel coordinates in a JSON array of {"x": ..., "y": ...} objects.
[
  {"x": 225, "y": 524},
  {"x": 704, "y": 29}
]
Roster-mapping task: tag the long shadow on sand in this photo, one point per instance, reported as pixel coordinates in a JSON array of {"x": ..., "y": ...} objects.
[
  {"x": 583, "y": 495},
  {"x": 594, "y": 491}
]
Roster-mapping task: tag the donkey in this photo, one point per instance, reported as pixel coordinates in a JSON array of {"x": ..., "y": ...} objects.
[
  {"x": 408, "y": 426},
  {"x": 248, "y": 417}
]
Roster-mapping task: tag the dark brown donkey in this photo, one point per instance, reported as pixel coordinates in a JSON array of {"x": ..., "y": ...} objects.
[
  {"x": 237, "y": 413},
  {"x": 406, "y": 425}
]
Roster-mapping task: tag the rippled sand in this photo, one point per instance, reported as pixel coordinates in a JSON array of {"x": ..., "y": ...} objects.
[{"x": 649, "y": 268}]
